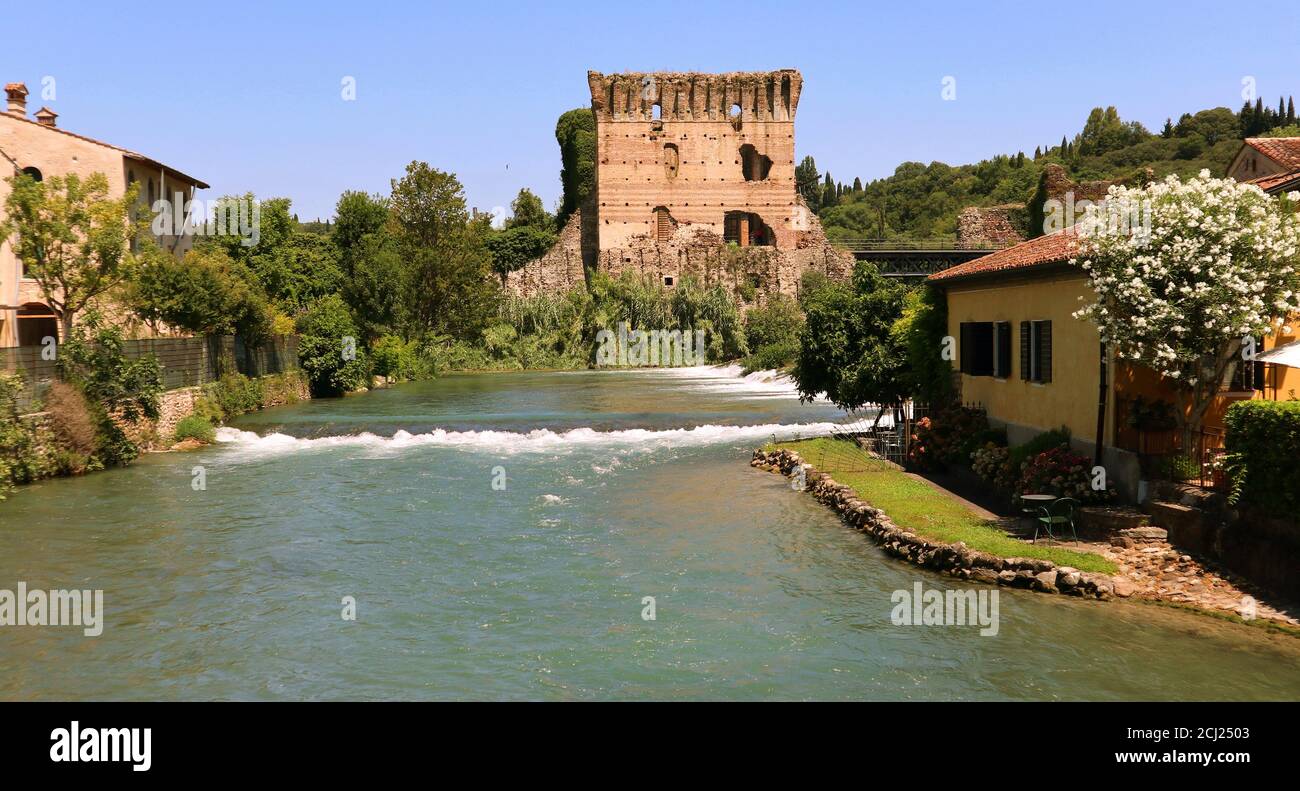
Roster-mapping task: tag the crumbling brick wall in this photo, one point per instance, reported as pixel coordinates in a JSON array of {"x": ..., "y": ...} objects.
[
  {"x": 560, "y": 269},
  {"x": 992, "y": 226},
  {"x": 685, "y": 164}
]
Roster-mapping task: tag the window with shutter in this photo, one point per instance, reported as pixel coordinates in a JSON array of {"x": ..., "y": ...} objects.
[
  {"x": 1024, "y": 350},
  {"x": 1002, "y": 350},
  {"x": 1040, "y": 350},
  {"x": 1045, "y": 351},
  {"x": 965, "y": 351}
]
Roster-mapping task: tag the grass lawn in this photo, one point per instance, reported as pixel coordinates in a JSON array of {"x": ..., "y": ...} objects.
[{"x": 930, "y": 512}]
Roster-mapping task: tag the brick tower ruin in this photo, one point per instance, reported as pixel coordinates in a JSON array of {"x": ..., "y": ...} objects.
[{"x": 695, "y": 175}]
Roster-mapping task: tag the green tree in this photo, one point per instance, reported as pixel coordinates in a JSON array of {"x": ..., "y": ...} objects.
[
  {"x": 527, "y": 211},
  {"x": 71, "y": 238},
  {"x": 376, "y": 290},
  {"x": 356, "y": 216},
  {"x": 329, "y": 350},
  {"x": 848, "y": 349},
  {"x": 807, "y": 181},
  {"x": 448, "y": 288},
  {"x": 515, "y": 246},
  {"x": 772, "y": 333},
  {"x": 205, "y": 293},
  {"x": 921, "y": 331}
]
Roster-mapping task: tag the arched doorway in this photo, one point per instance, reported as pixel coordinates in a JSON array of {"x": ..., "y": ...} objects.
[{"x": 35, "y": 323}]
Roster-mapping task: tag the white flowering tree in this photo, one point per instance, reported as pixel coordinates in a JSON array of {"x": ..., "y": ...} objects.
[{"x": 1186, "y": 273}]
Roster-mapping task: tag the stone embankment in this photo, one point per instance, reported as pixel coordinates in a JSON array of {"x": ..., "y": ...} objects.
[
  {"x": 956, "y": 559},
  {"x": 1149, "y": 567}
]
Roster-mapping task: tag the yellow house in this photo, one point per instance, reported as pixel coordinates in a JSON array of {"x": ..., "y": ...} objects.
[
  {"x": 1032, "y": 366},
  {"x": 38, "y": 147}
]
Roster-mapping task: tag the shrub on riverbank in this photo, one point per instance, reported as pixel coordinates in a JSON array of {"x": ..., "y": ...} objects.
[
  {"x": 120, "y": 391},
  {"x": 235, "y": 394},
  {"x": 949, "y": 438},
  {"x": 74, "y": 429},
  {"x": 17, "y": 441},
  {"x": 1263, "y": 443},
  {"x": 772, "y": 334},
  {"x": 196, "y": 427},
  {"x": 328, "y": 349}
]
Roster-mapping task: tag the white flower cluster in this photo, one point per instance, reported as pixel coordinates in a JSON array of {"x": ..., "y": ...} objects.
[{"x": 1217, "y": 263}]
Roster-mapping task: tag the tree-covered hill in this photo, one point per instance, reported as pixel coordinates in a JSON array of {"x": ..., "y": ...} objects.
[{"x": 922, "y": 201}]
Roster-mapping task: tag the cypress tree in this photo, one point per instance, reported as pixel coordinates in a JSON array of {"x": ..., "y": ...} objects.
[{"x": 1290, "y": 111}]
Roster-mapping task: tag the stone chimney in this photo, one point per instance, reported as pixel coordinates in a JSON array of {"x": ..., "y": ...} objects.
[
  {"x": 17, "y": 93},
  {"x": 46, "y": 116}
]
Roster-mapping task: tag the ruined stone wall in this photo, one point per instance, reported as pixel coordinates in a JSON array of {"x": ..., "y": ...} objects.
[
  {"x": 560, "y": 269},
  {"x": 1057, "y": 184},
  {"x": 676, "y": 154},
  {"x": 992, "y": 226},
  {"x": 704, "y": 255},
  {"x": 692, "y": 160}
]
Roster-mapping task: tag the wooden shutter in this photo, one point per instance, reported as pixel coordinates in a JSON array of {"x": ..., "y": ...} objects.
[
  {"x": 1024, "y": 350},
  {"x": 1002, "y": 364},
  {"x": 1045, "y": 351},
  {"x": 964, "y": 353}
]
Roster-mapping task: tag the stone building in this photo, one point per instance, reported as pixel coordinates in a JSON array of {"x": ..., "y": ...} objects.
[
  {"x": 1271, "y": 163},
  {"x": 695, "y": 175},
  {"x": 38, "y": 147}
]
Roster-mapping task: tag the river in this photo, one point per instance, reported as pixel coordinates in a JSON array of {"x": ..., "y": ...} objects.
[{"x": 500, "y": 535}]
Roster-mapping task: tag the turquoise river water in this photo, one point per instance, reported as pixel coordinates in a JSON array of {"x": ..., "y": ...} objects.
[{"x": 617, "y": 486}]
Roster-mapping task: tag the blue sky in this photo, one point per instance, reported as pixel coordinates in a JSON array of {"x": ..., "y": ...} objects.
[{"x": 247, "y": 97}]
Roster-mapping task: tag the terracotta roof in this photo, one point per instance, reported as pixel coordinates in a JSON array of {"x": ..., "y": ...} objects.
[
  {"x": 125, "y": 151},
  {"x": 1051, "y": 249},
  {"x": 1283, "y": 150},
  {"x": 1278, "y": 182}
]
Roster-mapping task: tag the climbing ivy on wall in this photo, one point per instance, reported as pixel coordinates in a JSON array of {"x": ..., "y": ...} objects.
[{"x": 576, "y": 134}]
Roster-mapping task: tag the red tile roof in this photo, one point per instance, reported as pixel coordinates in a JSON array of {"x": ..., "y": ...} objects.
[
  {"x": 1278, "y": 182},
  {"x": 1051, "y": 249},
  {"x": 1283, "y": 150}
]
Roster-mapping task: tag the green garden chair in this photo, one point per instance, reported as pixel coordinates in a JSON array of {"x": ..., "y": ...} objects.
[{"x": 1060, "y": 512}]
